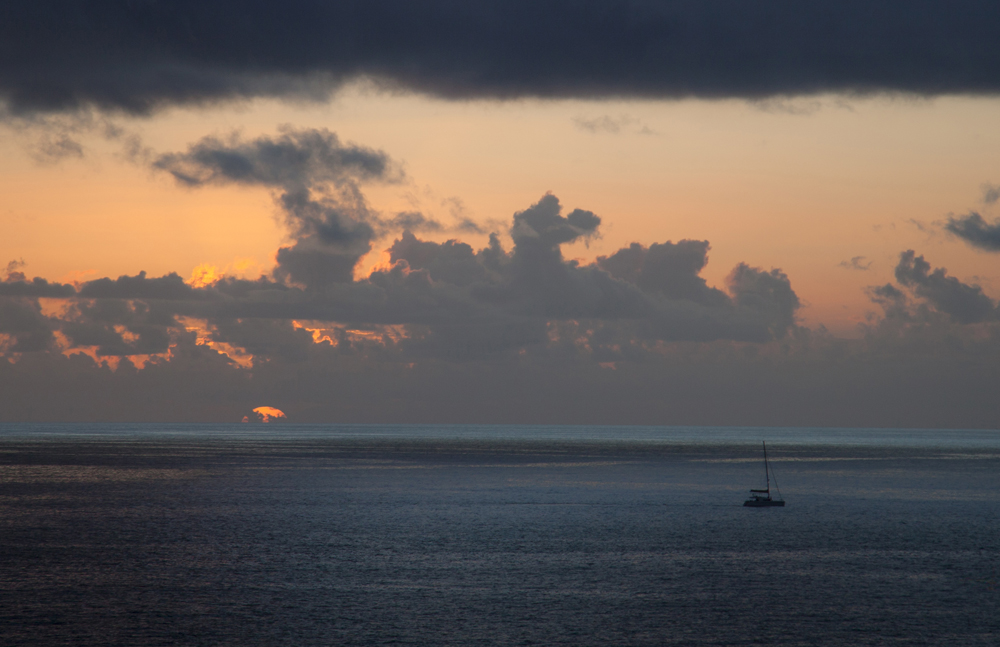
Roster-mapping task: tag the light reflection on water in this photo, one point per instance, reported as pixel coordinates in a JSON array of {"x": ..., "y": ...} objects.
[
  {"x": 359, "y": 535},
  {"x": 804, "y": 436}
]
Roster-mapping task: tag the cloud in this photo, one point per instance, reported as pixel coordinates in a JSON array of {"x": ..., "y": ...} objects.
[
  {"x": 450, "y": 299},
  {"x": 670, "y": 269},
  {"x": 297, "y": 159},
  {"x": 447, "y": 332},
  {"x": 23, "y": 327},
  {"x": 603, "y": 124},
  {"x": 856, "y": 263},
  {"x": 768, "y": 293},
  {"x": 55, "y": 148},
  {"x": 416, "y": 221},
  {"x": 612, "y": 125},
  {"x": 447, "y": 335},
  {"x": 16, "y": 284},
  {"x": 973, "y": 229},
  {"x": 784, "y": 106},
  {"x": 138, "y": 57},
  {"x": 318, "y": 183},
  {"x": 893, "y": 301},
  {"x": 991, "y": 193},
  {"x": 13, "y": 271},
  {"x": 946, "y": 294},
  {"x": 894, "y": 377},
  {"x": 119, "y": 327},
  {"x": 171, "y": 286}
]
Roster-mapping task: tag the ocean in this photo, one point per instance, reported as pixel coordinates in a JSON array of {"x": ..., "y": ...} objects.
[{"x": 496, "y": 535}]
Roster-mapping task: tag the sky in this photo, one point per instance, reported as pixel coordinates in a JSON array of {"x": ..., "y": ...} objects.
[{"x": 714, "y": 212}]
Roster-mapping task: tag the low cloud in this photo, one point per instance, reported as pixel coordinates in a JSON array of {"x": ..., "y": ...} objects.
[
  {"x": 16, "y": 284},
  {"x": 450, "y": 299},
  {"x": 23, "y": 327},
  {"x": 448, "y": 332}
]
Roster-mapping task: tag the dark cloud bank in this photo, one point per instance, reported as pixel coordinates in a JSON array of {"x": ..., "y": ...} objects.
[
  {"x": 449, "y": 333},
  {"x": 137, "y": 55}
]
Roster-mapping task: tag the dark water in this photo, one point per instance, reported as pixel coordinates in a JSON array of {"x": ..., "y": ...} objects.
[{"x": 174, "y": 535}]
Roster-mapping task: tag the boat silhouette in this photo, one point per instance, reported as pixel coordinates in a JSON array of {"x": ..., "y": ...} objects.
[{"x": 762, "y": 498}]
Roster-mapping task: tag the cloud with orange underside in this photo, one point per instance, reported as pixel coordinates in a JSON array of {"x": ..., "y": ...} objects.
[{"x": 203, "y": 333}]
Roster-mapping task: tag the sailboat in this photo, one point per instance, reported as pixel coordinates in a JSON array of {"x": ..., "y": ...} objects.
[{"x": 762, "y": 498}]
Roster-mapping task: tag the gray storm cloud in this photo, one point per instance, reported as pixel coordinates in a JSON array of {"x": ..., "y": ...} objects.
[{"x": 138, "y": 56}]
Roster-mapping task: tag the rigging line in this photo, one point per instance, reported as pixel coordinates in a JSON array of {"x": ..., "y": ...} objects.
[
  {"x": 767, "y": 476},
  {"x": 776, "y": 483}
]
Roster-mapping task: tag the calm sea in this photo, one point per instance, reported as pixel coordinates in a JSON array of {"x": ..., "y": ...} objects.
[{"x": 496, "y": 535}]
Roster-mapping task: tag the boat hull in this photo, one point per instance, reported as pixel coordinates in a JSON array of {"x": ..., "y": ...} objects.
[{"x": 763, "y": 503}]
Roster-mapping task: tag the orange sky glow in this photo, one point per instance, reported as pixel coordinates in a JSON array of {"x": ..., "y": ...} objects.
[
  {"x": 644, "y": 213},
  {"x": 804, "y": 186}
]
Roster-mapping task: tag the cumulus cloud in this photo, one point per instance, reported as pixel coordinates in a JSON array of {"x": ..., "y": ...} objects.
[
  {"x": 892, "y": 299},
  {"x": 23, "y": 327},
  {"x": 447, "y": 335},
  {"x": 37, "y": 287},
  {"x": 171, "y": 286},
  {"x": 450, "y": 299},
  {"x": 318, "y": 184},
  {"x": 769, "y": 294},
  {"x": 447, "y": 332},
  {"x": 671, "y": 269},
  {"x": 140, "y": 56},
  {"x": 16, "y": 284},
  {"x": 973, "y": 229},
  {"x": 964, "y": 303}
]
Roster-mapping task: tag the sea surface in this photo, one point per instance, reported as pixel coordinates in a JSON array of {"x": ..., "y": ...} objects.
[{"x": 496, "y": 535}]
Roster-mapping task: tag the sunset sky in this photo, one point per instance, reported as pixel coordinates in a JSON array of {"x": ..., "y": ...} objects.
[{"x": 289, "y": 176}]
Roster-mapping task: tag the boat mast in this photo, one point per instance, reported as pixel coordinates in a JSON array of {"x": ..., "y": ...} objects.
[
  {"x": 767, "y": 476},
  {"x": 767, "y": 472}
]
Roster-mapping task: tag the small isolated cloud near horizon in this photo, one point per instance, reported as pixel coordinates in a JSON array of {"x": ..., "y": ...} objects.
[
  {"x": 856, "y": 263},
  {"x": 613, "y": 125},
  {"x": 140, "y": 57}
]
